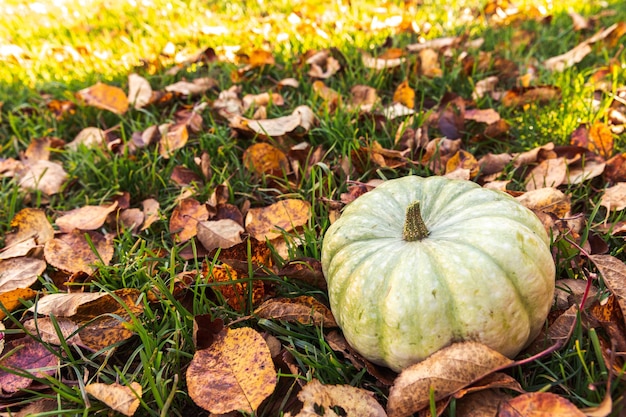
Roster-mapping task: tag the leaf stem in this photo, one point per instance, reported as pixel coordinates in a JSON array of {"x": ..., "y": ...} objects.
[{"x": 414, "y": 226}]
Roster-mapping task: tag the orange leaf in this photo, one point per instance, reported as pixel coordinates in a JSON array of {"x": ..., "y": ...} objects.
[
  {"x": 185, "y": 218},
  {"x": 303, "y": 309},
  {"x": 85, "y": 218},
  {"x": 234, "y": 289},
  {"x": 105, "y": 97},
  {"x": 71, "y": 252},
  {"x": 235, "y": 373},
  {"x": 601, "y": 140},
  {"x": 404, "y": 94},
  {"x": 537, "y": 404},
  {"x": 284, "y": 216},
  {"x": 263, "y": 158},
  {"x": 11, "y": 300}
]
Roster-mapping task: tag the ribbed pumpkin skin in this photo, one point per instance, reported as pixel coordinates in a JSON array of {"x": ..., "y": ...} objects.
[{"x": 484, "y": 273}]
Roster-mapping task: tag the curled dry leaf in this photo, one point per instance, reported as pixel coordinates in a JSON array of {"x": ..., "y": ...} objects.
[
  {"x": 235, "y": 373},
  {"x": 139, "y": 91},
  {"x": 85, "y": 218},
  {"x": 537, "y": 404},
  {"x": 614, "y": 276},
  {"x": 45, "y": 176},
  {"x": 558, "y": 333},
  {"x": 302, "y": 117},
  {"x": 117, "y": 397},
  {"x": 224, "y": 233},
  {"x": 390, "y": 59},
  {"x": 185, "y": 218},
  {"x": 173, "y": 137},
  {"x": 272, "y": 221},
  {"x": 18, "y": 249},
  {"x": 445, "y": 372},
  {"x": 105, "y": 97},
  {"x": 363, "y": 97},
  {"x": 353, "y": 401},
  {"x": 62, "y": 304},
  {"x": 72, "y": 252},
  {"x": 303, "y": 309},
  {"x": 197, "y": 86},
  {"x": 20, "y": 272}
]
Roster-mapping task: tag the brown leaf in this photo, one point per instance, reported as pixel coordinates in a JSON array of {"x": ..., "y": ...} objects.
[
  {"x": 46, "y": 329},
  {"x": 302, "y": 117},
  {"x": 84, "y": 218},
  {"x": 481, "y": 404},
  {"x": 228, "y": 282},
  {"x": 263, "y": 158},
  {"x": 464, "y": 160},
  {"x": 537, "y": 404},
  {"x": 272, "y": 221},
  {"x": 353, "y": 401},
  {"x": 71, "y": 252},
  {"x": 117, "y": 397},
  {"x": 131, "y": 219},
  {"x": 150, "y": 212},
  {"x": 389, "y": 59},
  {"x": 20, "y": 272},
  {"x": 485, "y": 86},
  {"x": 323, "y": 65},
  {"x": 546, "y": 200},
  {"x": 45, "y": 176},
  {"x": 576, "y": 54},
  {"x": 521, "y": 96},
  {"x": 262, "y": 99},
  {"x": 429, "y": 63},
  {"x": 601, "y": 140},
  {"x": 12, "y": 300},
  {"x": 330, "y": 97},
  {"x": 30, "y": 223},
  {"x": 488, "y": 116},
  {"x": 173, "y": 137},
  {"x": 405, "y": 95},
  {"x": 303, "y": 309},
  {"x": 105, "y": 320},
  {"x": 234, "y": 373},
  {"x": 559, "y": 332},
  {"x": 206, "y": 330},
  {"x": 308, "y": 270},
  {"x": 30, "y": 356},
  {"x": 196, "y": 86},
  {"x": 614, "y": 276},
  {"x": 223, "y": 233},
  {"x": 614, "y": 198},
  {"x": 63, "y": 304},
  {"x": 363, "y": 97},
  {"x": 105, "y": 97},
  {"x": 549, "y": 173},
  {"x": 615, "y": 170},
  {"x": 584, "y": 170},
  {"x": 445, "y": 372},
  {"x": 139, "y": 91},
  {"x": 185, "y": 218}
]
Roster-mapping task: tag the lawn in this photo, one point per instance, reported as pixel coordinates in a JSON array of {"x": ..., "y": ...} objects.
[{"x": 169, "y": 169}]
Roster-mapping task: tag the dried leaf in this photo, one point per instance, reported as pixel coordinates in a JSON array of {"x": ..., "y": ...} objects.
[
  {"x": 173, "y": 137},
  {"x": 263, "y": 158},
  {"x": 323, "y": 65},
  {"x": 30, "y": 356},
  {"x": 576, "y": 54},
  {"x": 363, "y": 97},
  {"x": 71, "y": 252},
  {"x": 89, "y": 137},
  {"x": 105, "y": 97},
  {"x": 614, "y": 276},
  {"x": 223, "y": 233},
  {"x": 197, "y": 86},
  {"x": 537, "y": 404},
  {"x": 404, "y": 95},
  {"x": 185, "y": 218},
  {"x": 272, "y": 221},
  {"x": 30, "y": 223},
  {"x": 546, "y": 200},
  {"x": 139, "y": 91},
  {"x": 45, "y": 176},
  {"x": 235, "y": 290},
  {"x": 117, "y": 397},
  {"x": 445, "y": 372},
  {"x": 20, "y": 272},
  {"x": 488, "y": 116},
  {"x": 234, "y": 373},
  {"x": 481, "y": 404},
  {"x": 429, "y": 63},
  {"x": 85, "y": 218},
  {"x": 63, "y": 304},
  {"x": 12, "y": 300},
  {"x": 302, "y": 117},
  {"x": 150, "y": 212},
  {"x": 549, "y": 173},
  {"x": 353, "y": 401},
  {"x": 614, "y": 198},
  {"x": 303, "y": 309},
  {"x": 46, "y": 329},
  {"x": 383, "y": 61}
]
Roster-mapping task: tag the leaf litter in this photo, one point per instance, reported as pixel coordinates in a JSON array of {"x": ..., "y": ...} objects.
[{"x": 237, "y": 362}]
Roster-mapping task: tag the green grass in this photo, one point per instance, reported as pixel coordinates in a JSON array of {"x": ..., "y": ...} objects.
[{"x": 113, "y": 40}]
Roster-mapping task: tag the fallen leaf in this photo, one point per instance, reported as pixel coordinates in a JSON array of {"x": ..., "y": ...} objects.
[
  {"x": 226, "y": 281},
  {"x": 173, "y": 137},
  {"x": 404, "y": 95},
  {"x": 383, "y": 61},
  {"x": 488, "y": 116},
  {"x": 105, "y": 97},
  {"x": 12, "y": 300},
  {"x": 547, "y": 200},
  {"x": 614, "y": 198},
  {"x": 549, "y": 173},
  {"x": 223, "y": 233},
  {"x": 85, "y": 218},
  {"x": 613, "y": 273},
  {"x": 323, "y": 398},
  {"x": 576, "y": 54},
  {"x": 29, "y": 223},
  {"x": 196, "y": 86},
  {"x": 20, "y": 272},
  {"x": 615, "y": 170},
  {"x": 29, "y": 356},
  {"x": 429, "y": 63},
  {"x": 363, "y": 97},
  {"x": 330, "y": 97},
  {"x": 139, "y": 91},
  {"x": 89, "y": 137},
  {"x": 463, "y": 160},
  {"x": 117, "y": 397},
  {"x": 72, "y": 252},
  {"x": 444, "y": 372},
  {"x": 185, "y": 218},
  {"x": 323, "y": 65},
  {"x": 538, "y": 404},
  {"x": 397, "y": 110},
  {"x": 302, "y": 117},
  {"x": 45, "y": 176},
  {"x": 307, "y": 270},
  {"x": 521, "y": 96},
  {"x": 484, "y": 86},
  {"x": 151, "y": 214},
  {"x": 262, "y": 99},
  {"x": 272, "y": 221},
  {"x": 303, "y": 309},
  {"x": 235, "y": 373},
  {"x": 559, "y": 332},
  {"x": 263, "y": 158},
  {"x": 481, "y": 404},
  {"x": 584, "y": 170},
  {"x": 54, "y": 331},
  {"x": 601, "y": 140}
]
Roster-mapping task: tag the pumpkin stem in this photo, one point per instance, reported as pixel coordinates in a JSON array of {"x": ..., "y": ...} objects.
[{"x": 414, "y": 227}]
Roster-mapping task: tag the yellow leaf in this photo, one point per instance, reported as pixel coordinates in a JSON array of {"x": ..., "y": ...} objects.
[
  {"x": 105, "y": 97},
  {"x": 122, "y": 399},
  {"x": 404, "y": 94}
]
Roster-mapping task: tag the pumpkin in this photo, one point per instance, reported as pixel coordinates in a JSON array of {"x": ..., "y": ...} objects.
[{"x": 419, "y": 263}]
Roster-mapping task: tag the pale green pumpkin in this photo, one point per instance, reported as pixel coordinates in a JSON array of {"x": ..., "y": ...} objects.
[{"x": 482, "y": 270}]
